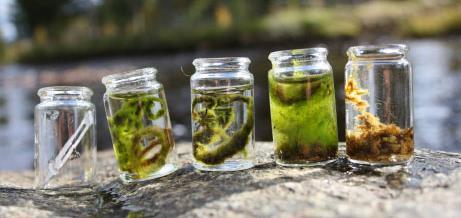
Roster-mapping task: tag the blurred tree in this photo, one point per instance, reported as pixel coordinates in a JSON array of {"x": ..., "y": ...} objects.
[
  {"x": 2, "y": 52},
  {"x": 38, "y": 15},
  {"x": 223, "y": 16},
  {"x": 43, "y": 19},
  {"x": 243, "y": 12},
  {"x": 198, "y": 10},
  {"x": 119, "y": 12}
]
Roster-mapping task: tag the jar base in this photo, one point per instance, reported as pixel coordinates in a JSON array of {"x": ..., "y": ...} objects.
[
  {"x": 165, "y": 170},
  {"x": 66, "y": 187},
  {"x": 306, "y": 164},
  {"x": 380, "y": 164},
  {"x": 231, "y": 165}
]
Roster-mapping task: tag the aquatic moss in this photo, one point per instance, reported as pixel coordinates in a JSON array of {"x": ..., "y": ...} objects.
[
  {"x": 213, "y": 120},
  {"x": 372, "y": 140},
  {"x": 133, "y": 140},
  {"x": 303, "y": 119}
]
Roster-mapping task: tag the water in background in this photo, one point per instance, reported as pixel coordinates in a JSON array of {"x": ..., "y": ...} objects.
[{"x": 436, "y": 67}]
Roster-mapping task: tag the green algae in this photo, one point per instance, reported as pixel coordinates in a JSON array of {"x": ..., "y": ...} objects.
[
  {"x": 212, "y": 144},
  {"x": 303, "y": 118},
  {"x": 133, "y": 135}
]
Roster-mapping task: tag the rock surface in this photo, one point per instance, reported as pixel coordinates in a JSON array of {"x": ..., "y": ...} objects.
[{"x": 429, "y": 187}]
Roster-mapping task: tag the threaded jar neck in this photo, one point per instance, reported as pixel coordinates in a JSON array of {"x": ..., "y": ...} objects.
[
  {"x": 295, "y": 57},
  {"x": 131, "y": 79},
  {"x": 210, "y": 65},
  {"x": 377, "y": 52},
  {"x": 53, "y": 93}
]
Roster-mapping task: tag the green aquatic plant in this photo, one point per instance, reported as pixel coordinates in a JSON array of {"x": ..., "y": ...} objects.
[
  {"x": 134, "y": 141},
  {"x": 214, "y": 119},
  {"x": 303, "y": 118}
]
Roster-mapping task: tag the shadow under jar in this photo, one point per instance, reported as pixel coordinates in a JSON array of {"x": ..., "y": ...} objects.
[
  {"x": 139, "y": 124},
  {"x": 222, "y": 114},
  {"x": 379, "y": 110},
  {"x": 65, "y": 142},
  {"x": 303, "y": 110}
]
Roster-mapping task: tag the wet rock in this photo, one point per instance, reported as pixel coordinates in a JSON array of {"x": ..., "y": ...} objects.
[{"x": 430, "y": 186}]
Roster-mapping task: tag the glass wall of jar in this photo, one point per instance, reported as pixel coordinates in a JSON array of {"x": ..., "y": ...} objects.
[
  {"x": 222, "y": 114},
  {"x": 303, "y": 110},
  {"x": 379, "y": 110},
  {"x": 65, "y": 141},
  {"x": 139, "y": 124}
]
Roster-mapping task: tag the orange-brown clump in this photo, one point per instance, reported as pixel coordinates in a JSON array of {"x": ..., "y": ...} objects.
[
  {"x": 372, "y": 140},
  {"x": 354, "y": 95}
]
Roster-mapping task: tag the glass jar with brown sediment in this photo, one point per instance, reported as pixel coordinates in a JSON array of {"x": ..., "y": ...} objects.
[{"x": 379, "y": 110}]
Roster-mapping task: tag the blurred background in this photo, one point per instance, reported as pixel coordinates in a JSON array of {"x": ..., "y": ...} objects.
[{"x": 76, "y": 42}]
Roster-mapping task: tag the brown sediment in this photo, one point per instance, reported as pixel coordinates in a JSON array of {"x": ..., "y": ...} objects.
[
  {"x": 305, "y": 153},
  {"x": 373, "y": 140}
]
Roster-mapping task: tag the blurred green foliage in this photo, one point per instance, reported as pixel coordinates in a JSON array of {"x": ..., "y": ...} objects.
[
  {"x": 2, "y": 101},
  {"x": 70, "y": 29},
  {"x": 3, "y": 119},
  {"x": 31, "y": 15}
]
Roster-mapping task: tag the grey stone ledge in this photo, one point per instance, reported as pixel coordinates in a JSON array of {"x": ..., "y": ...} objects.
[{"x": 428, "y": 187}]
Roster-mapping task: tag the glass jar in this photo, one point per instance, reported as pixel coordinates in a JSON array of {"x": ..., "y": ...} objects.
[
  {"x": 379, "y": 105},
  {"x": 222, "y": 114},
  {"x": 65, "y": 137},
  {"x": 303, "y": 110},
  {"x": 139, "y": 124}
]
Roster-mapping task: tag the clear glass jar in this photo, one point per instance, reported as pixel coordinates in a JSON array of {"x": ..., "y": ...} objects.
[
  {"x": 139, "y": 124},
  {"x": 65, "y": 137},
  {"x": 379, "y": 105},
  {"x": 303, "y": 110},
  {"x": 222, "y": 114}
]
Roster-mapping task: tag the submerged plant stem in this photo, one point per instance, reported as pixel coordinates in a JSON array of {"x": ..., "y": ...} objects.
[
  {"x": 213, "y": 120},
  {"x": 134, "y": 142}
]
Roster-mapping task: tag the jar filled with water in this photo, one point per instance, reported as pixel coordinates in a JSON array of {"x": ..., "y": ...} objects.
[
  {"x": 379, "y": 110},
  {"x": 222, "y": 114},
  {"x": 139, "y": 123},
  {"x": 303, "y": 110},
  {"x": 65, "y": 142}
]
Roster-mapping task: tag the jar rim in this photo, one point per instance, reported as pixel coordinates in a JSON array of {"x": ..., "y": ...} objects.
[
  {"x": 301, "y": 54},
  {"x": 241, "y": 63},
  {"x": 130, "y": 76},
  {"x": 64, "y": 91},
  {"x": 385, "y": 51}
]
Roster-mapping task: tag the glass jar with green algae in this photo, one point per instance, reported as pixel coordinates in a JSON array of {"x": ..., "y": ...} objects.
[
  {"x": 139, "y": 124},
  {"x": 222, "y": 114},
  {"x": 303, "y": 110}
]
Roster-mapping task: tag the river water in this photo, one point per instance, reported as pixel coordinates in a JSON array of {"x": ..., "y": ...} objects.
[{"x": 437, "y": 87}]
